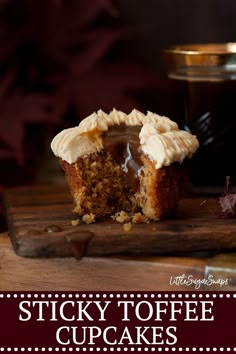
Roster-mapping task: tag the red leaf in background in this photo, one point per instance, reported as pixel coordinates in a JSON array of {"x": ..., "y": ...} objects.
[
  {"x": 228, "y": 202},
  {"x": 64, "y": 23},
  {"x": 5, "y": 83},
  {"x": 18, "y": 110},
  {"x": 94, "y": 46},
  {"x": 9, "y": 44},
  {"x": 59, "y": 58}
]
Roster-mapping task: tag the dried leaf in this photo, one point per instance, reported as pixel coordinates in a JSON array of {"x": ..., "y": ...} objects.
[{"x": 228, "y": 202}]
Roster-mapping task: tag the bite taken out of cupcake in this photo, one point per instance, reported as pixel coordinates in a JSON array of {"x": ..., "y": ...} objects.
[{"x": 127, "y": 163}]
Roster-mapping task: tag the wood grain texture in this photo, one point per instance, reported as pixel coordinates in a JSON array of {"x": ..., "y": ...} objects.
[
  {"x": 222, "y": 266},
  {"x": 134, "y": 273},
  {"x": 35, "y": 211},
  {"x": 93, "y": 274}
]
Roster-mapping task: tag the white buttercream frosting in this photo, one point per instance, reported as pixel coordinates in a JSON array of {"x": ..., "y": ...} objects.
[
  {"x": 69, "y": 144},
  {"x": 160, "y": 138}
]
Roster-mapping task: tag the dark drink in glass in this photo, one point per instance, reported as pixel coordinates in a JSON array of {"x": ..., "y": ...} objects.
[{"x": 204, "y": 82}]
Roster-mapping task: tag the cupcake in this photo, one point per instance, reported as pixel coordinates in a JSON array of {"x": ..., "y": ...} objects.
[{"x": 124, "y": 162}]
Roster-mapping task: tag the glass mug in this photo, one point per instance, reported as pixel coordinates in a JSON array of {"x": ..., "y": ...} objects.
[{"x": 203, "y": 77}]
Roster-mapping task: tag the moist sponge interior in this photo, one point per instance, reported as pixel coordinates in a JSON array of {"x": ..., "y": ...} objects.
[{"x": 98, "y": 185}]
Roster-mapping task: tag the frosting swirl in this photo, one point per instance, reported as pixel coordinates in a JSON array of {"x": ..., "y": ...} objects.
[{"x": 160, "y": 138}]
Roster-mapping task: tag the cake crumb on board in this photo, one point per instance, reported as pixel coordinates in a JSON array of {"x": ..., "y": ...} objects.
[
  {"x": 140, "y": 218},
  {"x": 88, "y": 218},
  {"x": 75, "y": 222},
  {"x": 121, "y": 216},
  {"x": 127, "y": 226}
]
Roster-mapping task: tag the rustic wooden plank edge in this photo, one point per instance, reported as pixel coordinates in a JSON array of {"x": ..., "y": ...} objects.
[
  {"x": 29, "y": 238},
  {"x": 80, "y": 241}
]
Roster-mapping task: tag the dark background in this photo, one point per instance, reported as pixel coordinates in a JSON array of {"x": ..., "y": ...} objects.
[
  {"x": 161, "y": 23},
  {"x": 60, "y": 60}
]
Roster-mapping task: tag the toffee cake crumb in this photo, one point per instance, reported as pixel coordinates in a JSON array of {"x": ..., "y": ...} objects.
[
  {"x": 88, "y": 218},
  {"x": 121, "y": 216},
  {"x": 139, "y": 218},
  {"x": 127, "y": 226},
  {"x": 75, "y": 222}
]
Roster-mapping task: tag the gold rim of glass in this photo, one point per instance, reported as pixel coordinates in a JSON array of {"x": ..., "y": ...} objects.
[
  {"x": 199, "y": 49},
  {"x": 209, "y": 54}
]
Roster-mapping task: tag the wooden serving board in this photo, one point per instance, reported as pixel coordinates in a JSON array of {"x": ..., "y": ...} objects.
[{"x": 39, "y": 220}]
